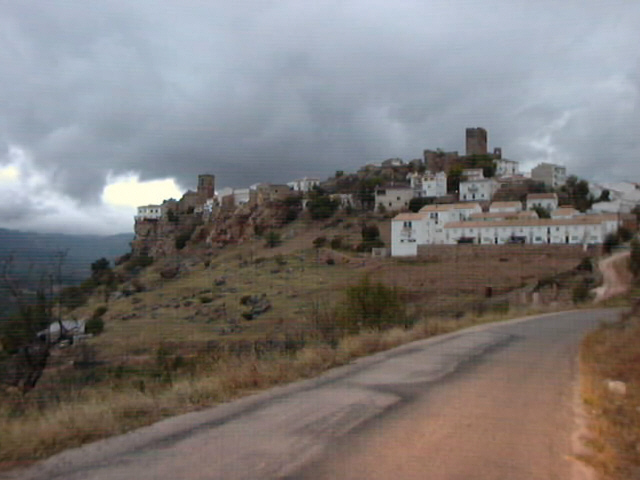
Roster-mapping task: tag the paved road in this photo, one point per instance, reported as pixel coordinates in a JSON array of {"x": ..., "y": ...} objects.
[{"x": 493, "y": 402}]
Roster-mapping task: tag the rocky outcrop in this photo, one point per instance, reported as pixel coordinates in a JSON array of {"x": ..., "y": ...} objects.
[{"x": 163, "y": 237}]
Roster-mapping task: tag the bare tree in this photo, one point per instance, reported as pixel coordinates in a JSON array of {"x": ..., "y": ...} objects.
[{"x": 32, "y": 342}]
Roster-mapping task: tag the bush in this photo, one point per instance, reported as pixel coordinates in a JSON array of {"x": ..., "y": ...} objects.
[
  {"x": 94, "y": 326},
  {"x": 319, "y": 242},
  {"x": 634, "y": 258},
  {"x": 415, "y": 204},
  {"x": 624, "y": 234},
  {"x": 581, "y": 293},
  {"x": 372, "y": 305},
  {"x": 182, "y": 239},
  {"x": 273, "y": 239},
  {"x": 336, "y": 243},
  {"x": 322, "y": 207},
  {"x": 100, "y": 311},
  {"x": 610, "y": 241}
]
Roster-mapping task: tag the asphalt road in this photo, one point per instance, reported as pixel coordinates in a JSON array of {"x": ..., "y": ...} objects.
[{"x": 491, "y": 402}]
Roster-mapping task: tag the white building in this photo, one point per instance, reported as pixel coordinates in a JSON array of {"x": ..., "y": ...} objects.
[
  {"x": 478, "y": 190},
  {"x": 393, "y": 198},
  {"x": 473, "y": 174},
  {"x": 149, "y": 212},
  {"x": 408, "y": 230},
  {"x": 429, "y": 185},
  {"x": 506, "y": 168},
  {"x": 584, "y": 230},
  {"x": 565, "y": 213},
  {"x": 304, "y": 184},
  {"x": 548, "y": 201},
  {"x": 551, "y": 175},
  {"x": 466, "y": 223},
  {"x": 505, "y": 207}
]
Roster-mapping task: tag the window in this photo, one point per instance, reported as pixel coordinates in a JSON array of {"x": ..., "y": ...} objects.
[{"x": 406, "y": 225}]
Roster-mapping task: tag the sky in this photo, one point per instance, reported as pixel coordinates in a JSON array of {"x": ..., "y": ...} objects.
[{"x": 110, "y": 104}]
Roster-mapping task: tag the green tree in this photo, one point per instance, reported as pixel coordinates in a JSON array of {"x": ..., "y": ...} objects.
[
  {"x": 541, "y": 211},
  {"x": 370, "y": 238},
  {"x": 322, "y": 206},
  {"x": 578, "y": 194},
  {"x": 416, "y": 203},
  {"x": 453, "y": 179}
]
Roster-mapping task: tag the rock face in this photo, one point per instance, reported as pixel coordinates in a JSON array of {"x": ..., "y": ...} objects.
[
  {"x": 157, "y": 238},
  {"x": 164, "y": 236}
]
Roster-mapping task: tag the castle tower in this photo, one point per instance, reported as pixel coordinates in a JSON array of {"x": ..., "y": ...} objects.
[
  {"x": 476, "y": 141},
  {"x": 206, "y": 187}
]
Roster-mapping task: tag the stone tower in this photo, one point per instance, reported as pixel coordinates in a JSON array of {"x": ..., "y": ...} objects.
[
  {"x": 476, "y": 141},
  {"x": 206, "y": 187}
]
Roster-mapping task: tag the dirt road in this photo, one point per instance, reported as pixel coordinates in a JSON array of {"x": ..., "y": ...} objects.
[
  {"x": 616, "y": 277},
  {"x": 489, "y": 402}
]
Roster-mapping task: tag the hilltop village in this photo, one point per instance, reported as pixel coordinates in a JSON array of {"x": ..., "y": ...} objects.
[{"x": 443, "y": 198}]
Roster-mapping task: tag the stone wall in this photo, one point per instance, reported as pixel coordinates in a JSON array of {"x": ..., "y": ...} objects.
[{"x": 461, "y": 253}]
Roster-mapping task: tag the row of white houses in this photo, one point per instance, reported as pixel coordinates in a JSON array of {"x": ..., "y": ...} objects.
[{"x": 451, "y": 224}]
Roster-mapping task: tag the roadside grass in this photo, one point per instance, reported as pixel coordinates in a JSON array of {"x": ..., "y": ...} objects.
[
  {"x": 47, "y": 422},
  {"x": 612, "y": 353}
]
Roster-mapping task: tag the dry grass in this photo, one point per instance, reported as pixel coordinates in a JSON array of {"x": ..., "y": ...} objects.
[
  {"x": 133, "y": 386},
  {"x": 613, "y": 353},
  {"x": 30, "y": 432}
]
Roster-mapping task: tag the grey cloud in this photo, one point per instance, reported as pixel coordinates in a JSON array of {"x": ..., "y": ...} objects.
[{"x": 269, "y": 91}]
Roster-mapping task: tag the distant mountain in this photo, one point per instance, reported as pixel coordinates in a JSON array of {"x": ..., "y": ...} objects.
[{"x": 34, "y": 253}]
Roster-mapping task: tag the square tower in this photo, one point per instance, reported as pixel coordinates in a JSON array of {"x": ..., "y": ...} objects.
[
  {"x": 206, "y": 186},
  {"x": 476, "y": 141}
]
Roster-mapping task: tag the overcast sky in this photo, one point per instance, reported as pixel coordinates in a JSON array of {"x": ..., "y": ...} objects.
[{"x": 108, "y": 104}]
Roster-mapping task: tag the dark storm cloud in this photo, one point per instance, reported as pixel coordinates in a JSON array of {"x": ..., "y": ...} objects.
[{"x": 270, "y": 91}]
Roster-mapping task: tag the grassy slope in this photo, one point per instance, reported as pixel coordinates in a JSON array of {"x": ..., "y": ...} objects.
[{"x": 156, "y": 356}]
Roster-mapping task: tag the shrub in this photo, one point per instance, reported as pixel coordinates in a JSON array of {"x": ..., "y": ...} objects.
[
  {"x": 322, "y": 207},
  {"x": 100, "y": 311},
  {"x": 415, "y": 204},
  {"x": 372, "y": 305},
  {"x": 273, "y": 239},
  {"x": 634, "y": 258},
  {"x": 610, "y": 241},
  {"x": 624, "y": 234},
  {"x": 581, "y": 293},
  {"x": 319, "y": 242},
  {"x": 182, "y": 239},
  {"x": 94, "y": 326}
]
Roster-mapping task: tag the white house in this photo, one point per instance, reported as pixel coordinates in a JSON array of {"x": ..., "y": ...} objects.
[
  {"x": 491, "y": 216},
  {"x": 429, "y": 185},
  {"x": 393, "y": 198},
  {"x": 587, "y": 229},
  {"x": 506, "y": 168},
  {"x": 149, "y": 212},
  {"x": 304, "y": 184},
  {"x": 565, "y": 213},
  {"x": 466, "y": 223},
  {"x": 505, "y": 207},
  {"x": 408, "y": 230},
  {"x": 550, "y": 174},
  {"x": 478, "y": 190},
  {"x": 473, "y": 174},
  {"x": 548, "y": 201}
]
